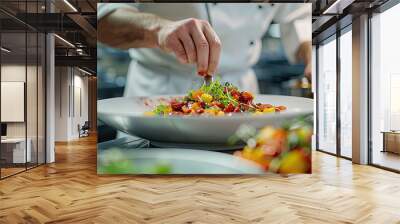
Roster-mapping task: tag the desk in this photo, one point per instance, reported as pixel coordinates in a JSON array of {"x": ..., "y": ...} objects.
[
  {"x": 16, "y": 147},
  {"x": 391, "y": 141}
]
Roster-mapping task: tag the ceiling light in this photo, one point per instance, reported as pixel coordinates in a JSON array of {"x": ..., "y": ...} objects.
[
  {"x": 65, "y": 41},
  {"x": 70, "y": 5},
  {"x": 84, "y": 71},
  {"x": 337, "y": 7},
  {"x": 5, "y": 50},
  {"x": 328, "y": 10}
]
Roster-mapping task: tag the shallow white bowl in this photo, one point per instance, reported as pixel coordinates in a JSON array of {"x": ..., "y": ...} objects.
[{"x": 127, "y": 114}]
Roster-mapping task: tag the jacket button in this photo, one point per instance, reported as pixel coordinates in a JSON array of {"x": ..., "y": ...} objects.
[
  {"x": 260, "y": 6},
  {"x": 251, "y": 42}
]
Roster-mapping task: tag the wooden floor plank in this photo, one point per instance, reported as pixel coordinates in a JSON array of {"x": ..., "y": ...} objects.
[{"x": 69, "y": 191}]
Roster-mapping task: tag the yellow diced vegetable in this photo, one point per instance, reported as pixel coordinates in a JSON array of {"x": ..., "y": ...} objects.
[
  {"x": 207, "y": 98},
  {"x": 168, "y": 110},
  {"x": 209, "y": 111},
  {"x": 195, "y": 106},
  {"x": 196, "y": 94},
  {"x": 269, "y": 110}
]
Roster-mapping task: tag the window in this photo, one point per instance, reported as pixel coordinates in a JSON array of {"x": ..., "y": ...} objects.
[
  {"x": 346, "y": 93},
  {"x": 327, "y": 96},
  {"x": 385, "y": 89}
]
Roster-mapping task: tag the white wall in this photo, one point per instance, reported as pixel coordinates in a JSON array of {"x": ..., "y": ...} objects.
[
  {"x": 33, "y": 126},
  {"x": 61, "y": 105},
  {"x": 80, "y": 83},
  {"x": 70, "y": 83}
]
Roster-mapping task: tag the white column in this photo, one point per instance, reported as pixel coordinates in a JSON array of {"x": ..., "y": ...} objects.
[
  {"x": 360, "y": 90},
  {"x": 50, "y": 99}
]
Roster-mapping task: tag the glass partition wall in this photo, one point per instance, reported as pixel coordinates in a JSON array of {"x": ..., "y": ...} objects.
[
  {"x": 334, "y": 130},
  {"x": 334, "y": 94},
  {"x": 385, "y": 89},
  {"x": 345, "y": 92},
  {"x": 22, "y": 107},
  {"x": 326, "y": 72}
]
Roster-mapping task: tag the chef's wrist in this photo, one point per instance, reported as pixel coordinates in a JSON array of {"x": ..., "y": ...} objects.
[{"x": 154, "y": 29}]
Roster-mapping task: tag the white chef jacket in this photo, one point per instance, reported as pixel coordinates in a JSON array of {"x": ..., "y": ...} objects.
[{"x": 240, "y": 27}]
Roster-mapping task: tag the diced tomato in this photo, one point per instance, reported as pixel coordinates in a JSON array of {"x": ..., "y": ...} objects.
[
  {"x": 246, "y": 97},
  {"x": 186, "y": 109},
  {"x": 237, "y": 109},
  {"x": 177, "y": 106},
  {"x": 235, "y": 94},
  {"x": 200, "y": 111},
  {"x": 218, "y": 104},
  {"x": 202, "y": 104},
  {"x": 229, "y": 108}
]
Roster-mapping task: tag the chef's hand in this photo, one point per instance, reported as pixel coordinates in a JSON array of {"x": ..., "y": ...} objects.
[
  {"x": 304, "y": 54},
  {"x": 192, "y": 41}
]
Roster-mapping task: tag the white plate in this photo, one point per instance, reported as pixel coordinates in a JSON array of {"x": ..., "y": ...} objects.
[
  {"x": 127, "y": 115},
  {"x": 203, "y": 146},
  {"x": 184, "y": 161}
]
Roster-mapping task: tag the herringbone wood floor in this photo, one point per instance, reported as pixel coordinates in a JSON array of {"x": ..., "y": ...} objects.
[{"x": 69, "y": 191}]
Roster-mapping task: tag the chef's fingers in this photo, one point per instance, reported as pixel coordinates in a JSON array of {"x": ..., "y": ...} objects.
[
  {"x": 176, "y": 46},
  {"x": 215, "y": 48},
  {"x": 189, "y": 46},
  {"x": 202, "y": 48},
  {"x": 307, "y": 71}
]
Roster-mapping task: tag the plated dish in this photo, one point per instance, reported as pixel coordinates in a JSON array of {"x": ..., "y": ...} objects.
[
  {"x": 215, "y": 99},
  {"x": 285, "y": 149},
  {"x": 127, "y": 114}
]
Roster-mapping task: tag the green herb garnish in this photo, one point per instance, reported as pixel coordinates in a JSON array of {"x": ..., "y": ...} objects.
[
  {"x": 161, "y": 109},
  {"x": 216, "y": 90}
]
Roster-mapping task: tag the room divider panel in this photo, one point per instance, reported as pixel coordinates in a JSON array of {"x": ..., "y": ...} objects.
[{"x": 22, "y": 77}]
